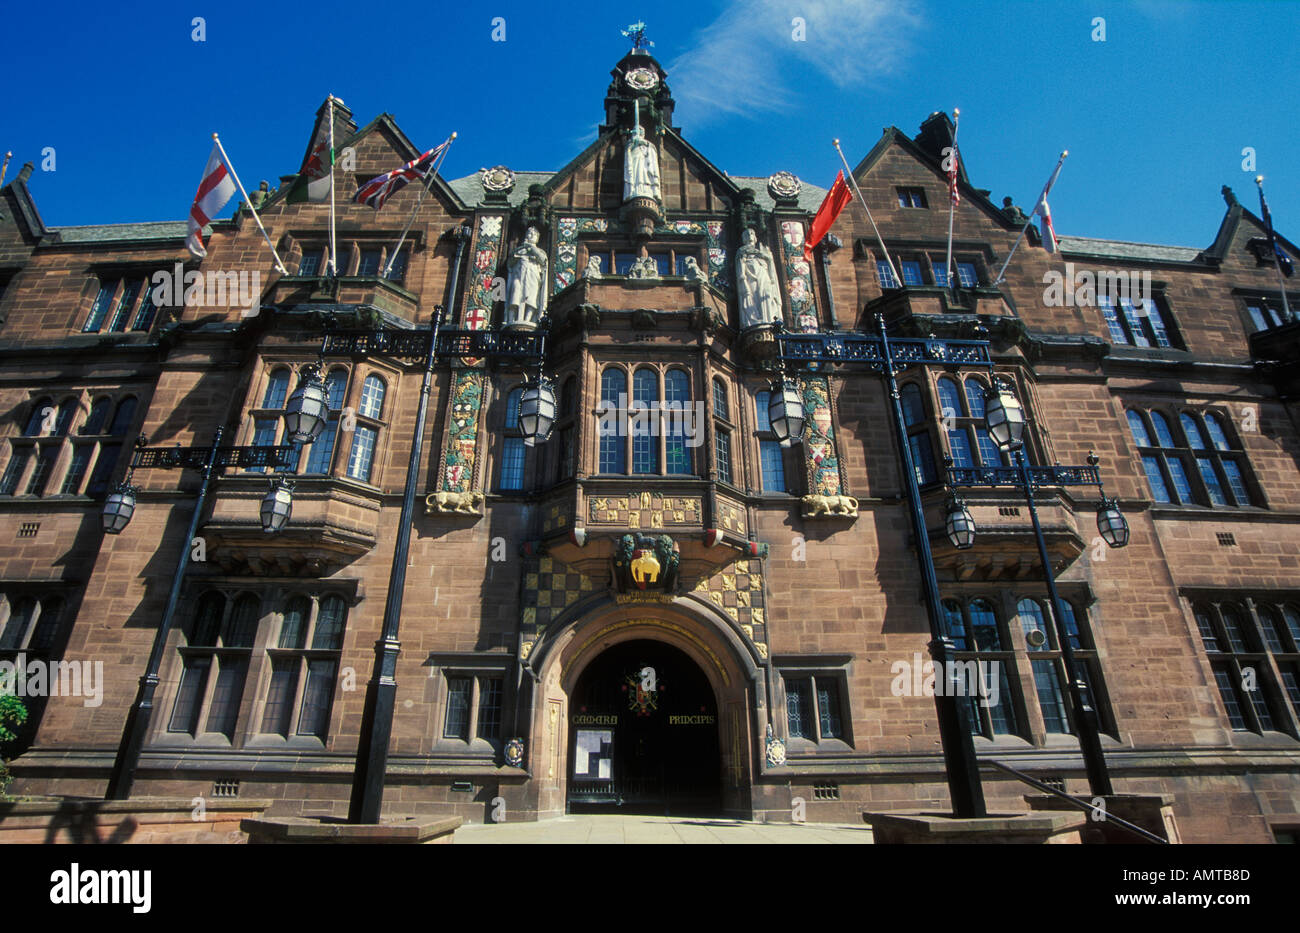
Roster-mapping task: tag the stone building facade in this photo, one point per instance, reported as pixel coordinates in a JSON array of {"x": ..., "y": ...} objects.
[{"x": 666, "y": 618}]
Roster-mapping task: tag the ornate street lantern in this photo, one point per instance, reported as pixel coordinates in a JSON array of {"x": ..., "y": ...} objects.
[
  {"x": 118, "y": 508},
  {"x": 307, "y": 411},
  {"x": 959, "y": 524},
  {"x": 785, "y": 412},
  {"x": 1005, "y": 417},
  {"x": 537, "y": 411},
  {"x": 277, "y": 505},
  {"x": 1112, "y": 524}
]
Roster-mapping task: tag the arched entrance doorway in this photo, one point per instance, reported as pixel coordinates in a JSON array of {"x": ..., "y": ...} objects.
[{"x": 643, "y": 734}]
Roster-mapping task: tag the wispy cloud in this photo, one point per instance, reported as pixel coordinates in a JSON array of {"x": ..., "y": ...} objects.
[{"x": 745, "y": 60}]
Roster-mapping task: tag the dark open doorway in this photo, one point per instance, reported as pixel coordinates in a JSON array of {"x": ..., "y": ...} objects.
[{"x": 643, "y": 734}]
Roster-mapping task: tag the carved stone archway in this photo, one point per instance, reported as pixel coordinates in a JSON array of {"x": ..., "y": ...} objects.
[{"x": 733, "y": 671}]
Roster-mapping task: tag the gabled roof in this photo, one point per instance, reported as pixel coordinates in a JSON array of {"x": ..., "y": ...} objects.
[
  {"x": 25, "y": 204},
  {"x": 406, "y": 150},
  {"x": 931, "y": 135},
  {"x": 1215, "y": 252}
]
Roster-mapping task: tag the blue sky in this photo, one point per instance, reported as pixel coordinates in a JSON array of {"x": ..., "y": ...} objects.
[{"x": 1155, "y": 117}]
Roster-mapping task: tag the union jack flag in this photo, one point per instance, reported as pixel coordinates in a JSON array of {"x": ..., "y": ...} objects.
[{"x": 380, "y": 188}]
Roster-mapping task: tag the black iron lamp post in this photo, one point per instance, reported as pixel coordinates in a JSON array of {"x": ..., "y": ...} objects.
[
  {"x": 1006, "y": 423},
  {"x": 536, "y": 416},
  {"x": 881, "y": 354},
  {"x": 118, "y": 509}
]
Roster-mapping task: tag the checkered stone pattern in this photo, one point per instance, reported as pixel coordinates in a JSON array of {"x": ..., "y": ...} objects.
[
  {"x": 737, "y": 590},
  {"x": 549, "y": 588}
]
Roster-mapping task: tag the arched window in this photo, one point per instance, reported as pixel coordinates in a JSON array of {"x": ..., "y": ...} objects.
[
  {"x": 955, "y": 624},
  {"x": 569, "y": 397},
  {"x": 975, "y": 397},
  {"x": 1137, "y": 427},
  {"x": 1218, "y": 436},
  {"x": 320, "y": 453},
  {"x": 241, "y": 626},
  {"x": 913, "y": 405},
  {"x": 318, "y": 696},
  {"x": 329, "y": 625},
  {"x": 720, "y": 409},
  {"x": 1032, "y": 618},
  {"x": 975, "y": 635},
  {"x": 21, "y": 615},
  {"x": 949, "y": 398},
  {"x": 1195, "y": 439},
  {"x": 984, "y": 626},
  {"x": 677, "y": 401},
  {"x": 512, "y": 408},
  {"x": 293, "y": 630},
  {"x": 1164, "y": 437},
  {"x": 36, "y": 420},
  {"x": 207, "y": 619},
  {"x": 645, "y": 445},
  {"x": 124, "y": 417},
  {"x": 67, "y": 411},
  {"x": 277, "y": 388},
  {"x": 372, "y": 397},
  {"x": 512, "y": 446},
  {"x": 918, "y": 437},
  {"x": 613, "y": 396},
  {"x": 47, "y": 625},
  {"x": 98, "y": 416}
]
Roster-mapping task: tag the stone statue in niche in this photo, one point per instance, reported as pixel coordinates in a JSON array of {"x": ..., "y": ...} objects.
[
  {"x": 693, "y": 270},
  {"x": 593, "y": 268},
  {"x": 756, "y": 283},
  {"x": 526, "y": 285},
  {"x": 640, "y": 167}
]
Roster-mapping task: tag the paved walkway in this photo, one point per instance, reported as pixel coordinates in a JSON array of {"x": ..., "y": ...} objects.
[{"x": 622, "y": 830}]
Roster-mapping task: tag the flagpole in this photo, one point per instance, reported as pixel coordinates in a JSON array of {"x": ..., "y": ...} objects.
[
  {"x": 334, "y": 263},
  {"x": 247, "y": 200},
  {"x": 853, "y": 181},
  {"x": 1059, "y": 162},
  {"x": 952, "y": 204},
  {"x": 1281, "y": 279},
  {"x": 4, "y": 168},
  {"x": 424, "y": 189}
]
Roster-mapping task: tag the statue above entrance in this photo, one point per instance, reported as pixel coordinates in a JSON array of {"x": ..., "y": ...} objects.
[
  {"x": 756, "y": 283},
  {"x": 526, "y": 286}
]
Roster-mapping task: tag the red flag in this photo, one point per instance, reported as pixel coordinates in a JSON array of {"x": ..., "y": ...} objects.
[
  {"x": 953, "y": 194},
  {"x": 836, "y": 200}
]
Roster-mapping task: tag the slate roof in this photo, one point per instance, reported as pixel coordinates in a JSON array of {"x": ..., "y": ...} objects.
[
  {"x": 1122, "y": 249},
  {"x": 104, "y": 233},
  {"x": 470, "y": 190},
  {"x": 810, "y": 196}
]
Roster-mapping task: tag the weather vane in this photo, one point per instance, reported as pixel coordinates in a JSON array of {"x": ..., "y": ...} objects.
[{"x": 636, "y": 32}]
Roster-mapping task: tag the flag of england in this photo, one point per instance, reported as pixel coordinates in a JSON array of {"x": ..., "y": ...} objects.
[{"x": 215, "y": 190}]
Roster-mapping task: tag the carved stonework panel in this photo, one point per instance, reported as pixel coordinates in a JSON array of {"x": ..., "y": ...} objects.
[
  {"x": 461, "y": 454},
  {"x": 645, "y": 511},
  {"x": 798, "y": 277},
  {"x": 731, "y": 517},
  {"x": 478, "y": 302},
  {"x": 818, "y": 437}
]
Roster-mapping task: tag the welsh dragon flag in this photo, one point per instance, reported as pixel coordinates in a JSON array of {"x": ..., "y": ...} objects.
[{"x": 315, "y": 178}]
